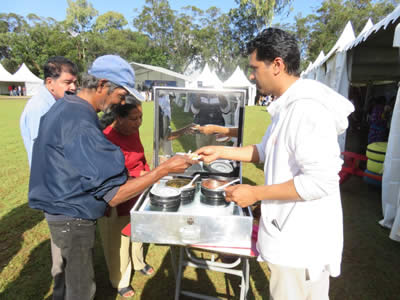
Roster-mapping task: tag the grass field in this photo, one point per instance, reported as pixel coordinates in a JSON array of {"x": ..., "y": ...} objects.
[{"x": 371, "y": 261}]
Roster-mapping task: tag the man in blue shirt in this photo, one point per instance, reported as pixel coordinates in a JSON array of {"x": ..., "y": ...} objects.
[
  {"x": 60, "y": 76},
  {"x": 76, "y": 172}
]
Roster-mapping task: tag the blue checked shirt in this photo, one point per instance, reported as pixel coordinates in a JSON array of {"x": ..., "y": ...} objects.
[{"x": 29, "y": 122}]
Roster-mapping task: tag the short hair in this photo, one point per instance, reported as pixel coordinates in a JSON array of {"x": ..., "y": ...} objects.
[
  {"x": 274, "y": 42},
  {"x": 91, "y": 82},
  {"x": 55, "y": 65},
  {"x": 121, "y": 111}
]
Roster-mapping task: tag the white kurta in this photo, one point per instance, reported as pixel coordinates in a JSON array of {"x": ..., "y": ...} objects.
[{"x": 302, "y": 144}]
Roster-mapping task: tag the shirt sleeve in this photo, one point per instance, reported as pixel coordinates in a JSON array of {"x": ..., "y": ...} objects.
[
  {"x": 261, "y": 146},
  {"x": 29, "y": 125},
  {"x": 316, "y": 150},
  {"x": 99, "y": 163}
]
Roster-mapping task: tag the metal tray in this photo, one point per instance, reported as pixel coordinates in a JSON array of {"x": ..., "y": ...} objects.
[{"x": 193, "y": 224}]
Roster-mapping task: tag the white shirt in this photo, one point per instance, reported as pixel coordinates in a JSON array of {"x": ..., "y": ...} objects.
[
  {"x": 301, "y": 144},
  {"x": 29, "y": 122}
]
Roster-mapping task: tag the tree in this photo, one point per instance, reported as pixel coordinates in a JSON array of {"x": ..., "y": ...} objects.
[
  {"x": 110, "y": 20},
  {"x": 80, "y": 14},
  {"x": 34, "y": 44},
  {"x": 266, "y": 8},
  {"x": 174, "y": 35}
]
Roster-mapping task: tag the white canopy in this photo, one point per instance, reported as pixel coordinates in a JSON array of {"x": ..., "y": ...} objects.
[
  {"x": 239, "y": 80},
  {"x": 5, "y": 75},
  {"x": 23, "y": 74},
  {"x": 371, "y": 58},
  {"x": 208, "y": 78}
]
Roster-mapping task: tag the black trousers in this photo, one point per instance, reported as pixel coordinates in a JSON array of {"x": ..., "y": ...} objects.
[{"x": 76, "y": 239}]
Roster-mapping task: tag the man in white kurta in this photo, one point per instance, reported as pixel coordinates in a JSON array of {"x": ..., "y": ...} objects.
[{"x": 301, "y": 228}]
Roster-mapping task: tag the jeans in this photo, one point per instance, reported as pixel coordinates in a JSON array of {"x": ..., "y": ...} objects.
[{"x": 75, "y": 238}]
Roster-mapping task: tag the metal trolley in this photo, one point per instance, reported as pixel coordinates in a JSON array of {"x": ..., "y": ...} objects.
[{"x": 217, "y": 228}]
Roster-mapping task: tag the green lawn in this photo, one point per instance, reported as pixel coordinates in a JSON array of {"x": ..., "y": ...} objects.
[{"x": 370, "y": 259}]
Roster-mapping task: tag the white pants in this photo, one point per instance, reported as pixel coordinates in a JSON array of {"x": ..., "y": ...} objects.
[
  {"x": 292, "y": 284},
  {"x": 119, "y": 252}
]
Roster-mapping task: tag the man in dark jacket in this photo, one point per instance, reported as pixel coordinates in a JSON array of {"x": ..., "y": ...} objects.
[{"x": 76, "y": 172}]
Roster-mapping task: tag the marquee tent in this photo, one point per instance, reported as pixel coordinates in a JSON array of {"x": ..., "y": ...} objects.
[
  {"x": 146, "y": 73},
  {"x": 5, "y": 80},
  {"x": 25, "y": 76},
  {"x": 207, "y": 79},
  {"x": 239, "y": 80},
  {"x": 370, "y": 59}
]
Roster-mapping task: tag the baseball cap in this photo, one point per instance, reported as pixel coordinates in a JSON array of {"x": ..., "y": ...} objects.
[{"x": 117, "y": 70}]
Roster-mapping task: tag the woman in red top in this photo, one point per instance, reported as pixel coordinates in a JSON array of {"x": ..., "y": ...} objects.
[{"x": 119, "y": 252}]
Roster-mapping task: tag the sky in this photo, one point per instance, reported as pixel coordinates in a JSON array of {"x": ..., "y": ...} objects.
[{"x": 57, "y": 8}]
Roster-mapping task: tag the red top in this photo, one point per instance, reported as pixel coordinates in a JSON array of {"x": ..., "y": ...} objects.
[{"x": 135, "y": 161}]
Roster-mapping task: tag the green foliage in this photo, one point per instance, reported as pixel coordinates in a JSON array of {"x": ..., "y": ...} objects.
[
  {"x": 266, "y": 8},
  {"x": 80, "y": 14},
  {"x": 110, "y": 20}
]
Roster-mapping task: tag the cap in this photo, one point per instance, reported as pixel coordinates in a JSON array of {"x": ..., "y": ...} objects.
[{"x": 117, "y": 70}]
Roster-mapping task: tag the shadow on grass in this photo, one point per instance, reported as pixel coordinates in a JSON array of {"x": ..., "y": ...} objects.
[
  {"x": 162, "y": 282},
  {"x": 12, "y": 227},
  {"x": 34, "y": 280},
  {"x": 260, "y": 281}
]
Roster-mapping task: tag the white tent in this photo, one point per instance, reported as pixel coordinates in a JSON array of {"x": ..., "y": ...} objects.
[
  {"x": 207, "y": 79},
  {"x": 311, "y": 72},
  {"x": 5, "y": 80},
  {"x": 372, "y": 59},
  {"x": 216, "y": 80},
  {"x": 31, "y": 81},
  {"x": 145, "y": 72},
  {"x": 239, "y": 80}
]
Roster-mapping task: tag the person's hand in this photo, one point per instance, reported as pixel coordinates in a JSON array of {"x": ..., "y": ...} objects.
[
  {"x": 178, "y": 164},
  {"x": 242, "y": 194},
  {"x": 208, "y": 129},
  {"x": 209, "y": 153},
  {"x": 143, "y": 172}
]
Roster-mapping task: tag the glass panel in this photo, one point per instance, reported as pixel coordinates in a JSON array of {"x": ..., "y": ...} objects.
[{"x": 192, "y": 118}]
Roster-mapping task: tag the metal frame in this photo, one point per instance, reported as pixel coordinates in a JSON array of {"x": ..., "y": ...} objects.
[{"x": 187, "y": 259}]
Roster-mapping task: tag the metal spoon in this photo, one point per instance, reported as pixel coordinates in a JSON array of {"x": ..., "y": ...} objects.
[
  {"x": 190, "y": 183},
  {"x": 226, "y": 184}
]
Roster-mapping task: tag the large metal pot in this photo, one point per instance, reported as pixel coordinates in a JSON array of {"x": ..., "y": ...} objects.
[
  {"x": 187, "y": 194},
  {"x": 165, "y": 198},
  {"x": 211, "y": 194}
]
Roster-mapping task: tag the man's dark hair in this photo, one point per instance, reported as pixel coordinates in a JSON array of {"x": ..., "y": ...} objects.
[
  {"x": 274, "y": 42},
  {"x": 55, "y": 65}
]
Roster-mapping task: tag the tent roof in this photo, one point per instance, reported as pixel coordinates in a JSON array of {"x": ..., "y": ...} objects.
[
  {"x": 208, "y": 78},
  {"x": 384, "y": 23},
  {"x": 5, "y": 75},
  {"x": 374, "y": 59},
  {"x": 345, "y": 38},
  {"x": 23, "y": 74},
  {"x": 237, "y": 79},
  {"x": 140, "y": 67}
]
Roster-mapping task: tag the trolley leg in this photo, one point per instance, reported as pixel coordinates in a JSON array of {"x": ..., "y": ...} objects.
[
  {"x": 179, "y": 274},
  {"x": 172, "y": 250}
]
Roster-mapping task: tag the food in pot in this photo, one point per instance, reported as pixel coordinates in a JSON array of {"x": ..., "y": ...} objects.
[
  {"x": 213, "y": 183},
  {"x": 178, "y": 182}
]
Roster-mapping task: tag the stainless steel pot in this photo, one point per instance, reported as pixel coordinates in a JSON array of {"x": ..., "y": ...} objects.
[
  {"x": 212, "y": 195},
  {"x": 165, "y": 198}
]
